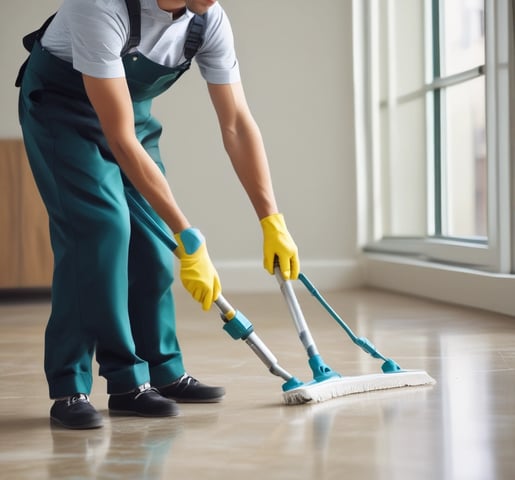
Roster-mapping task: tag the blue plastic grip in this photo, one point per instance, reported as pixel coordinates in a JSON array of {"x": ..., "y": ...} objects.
[{"x": 239, "y": 326}]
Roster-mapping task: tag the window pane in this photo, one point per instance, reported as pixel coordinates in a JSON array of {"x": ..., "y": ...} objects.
[
  {"x": 404, "y": 191},
  {"x": 464, "y": 161},
  {"x": 463, "y": 35}
]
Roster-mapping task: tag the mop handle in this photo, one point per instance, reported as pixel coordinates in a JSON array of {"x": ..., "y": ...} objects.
[
  {"x": 298, "y": 317},
  {"x": 251, "y": 339},
  {"x": 139, "y": 213},
  {"x": 321, "y": 371},
  {"x": 236, "y": 324},
  {"x": 361, "y": 342},
  {"x": 311, "y": 288},
  {"x": 229, "y": 314}
]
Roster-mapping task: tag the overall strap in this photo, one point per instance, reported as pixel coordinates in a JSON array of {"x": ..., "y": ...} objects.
[
  {"x": 194, "y": 36},
  {"x": 134, "y": 8},
  {"x": 28, "y": 42},
  {"x": 30, "y": 39}
]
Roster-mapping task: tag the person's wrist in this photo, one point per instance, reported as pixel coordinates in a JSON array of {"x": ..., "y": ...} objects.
[{"x": 274, "y": 221}]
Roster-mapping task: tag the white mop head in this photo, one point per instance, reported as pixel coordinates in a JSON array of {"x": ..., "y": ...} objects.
[{"x": 341, "y": 386}]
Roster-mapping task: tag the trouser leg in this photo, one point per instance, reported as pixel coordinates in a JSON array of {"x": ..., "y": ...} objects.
[
  {"x": 90, "y": 230},
  {"x": 151, "y": 302}
]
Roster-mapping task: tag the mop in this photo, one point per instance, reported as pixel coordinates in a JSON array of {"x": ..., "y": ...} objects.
[{"x": 326, "y": 383}]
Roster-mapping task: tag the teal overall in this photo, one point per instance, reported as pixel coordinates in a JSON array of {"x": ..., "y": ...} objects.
[{"x": 111, "y": 288}]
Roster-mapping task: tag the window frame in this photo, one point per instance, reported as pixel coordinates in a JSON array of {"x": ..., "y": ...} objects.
[{"x": 495, "y": 255}]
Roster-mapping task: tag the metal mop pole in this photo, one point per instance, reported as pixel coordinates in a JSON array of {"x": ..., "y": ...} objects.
[
  {"x": 320, "y": 370},
  {"x": 236, "y": 324},
  {"x": 239, "y": 327}
]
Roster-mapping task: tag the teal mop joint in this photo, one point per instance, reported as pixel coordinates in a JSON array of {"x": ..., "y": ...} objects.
[
  {"x": 291, "y": 384},
  {"x": 320, "y": 370},
  {"x": 239, "y": 327}
]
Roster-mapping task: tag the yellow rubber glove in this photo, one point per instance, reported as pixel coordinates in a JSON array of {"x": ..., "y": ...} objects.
[
  {"x": 278, "y": 243},
  {"x": 198, "y": 275}
]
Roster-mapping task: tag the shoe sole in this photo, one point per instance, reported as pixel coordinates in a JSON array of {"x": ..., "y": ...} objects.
[
  {"x": 85, "y": 426},
  {"x": 130, "y": 413},
  {"x": 196, "y": 400}
]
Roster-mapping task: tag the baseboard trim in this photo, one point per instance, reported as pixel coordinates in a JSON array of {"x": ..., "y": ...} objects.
[
  {"x": 461, "y": 286},
  {"x": 327, "y": 275}
]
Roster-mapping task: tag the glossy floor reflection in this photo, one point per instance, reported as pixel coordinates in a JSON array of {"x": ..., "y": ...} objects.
[{"x": 462, "y": 428}]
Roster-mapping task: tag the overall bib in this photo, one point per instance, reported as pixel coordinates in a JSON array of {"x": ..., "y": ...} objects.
[{"x": 111, "y": 288}]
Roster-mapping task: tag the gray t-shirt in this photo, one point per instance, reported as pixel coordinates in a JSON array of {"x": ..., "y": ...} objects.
[{"x": 91, "y": 34}]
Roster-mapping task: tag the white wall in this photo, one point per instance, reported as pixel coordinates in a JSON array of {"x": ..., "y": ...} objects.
[{"x": 296, "y": 63}]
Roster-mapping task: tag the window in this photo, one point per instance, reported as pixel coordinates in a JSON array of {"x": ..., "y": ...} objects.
[{"x": 435, "y": 130}]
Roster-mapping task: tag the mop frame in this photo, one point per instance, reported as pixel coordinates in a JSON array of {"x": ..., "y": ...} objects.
[{"x": 326, "y": 382}]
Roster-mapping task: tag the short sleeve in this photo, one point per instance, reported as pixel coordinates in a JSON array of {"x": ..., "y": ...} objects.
[
  {"x": 97, "y": 40},
  {"x": 217, "y": 57}
]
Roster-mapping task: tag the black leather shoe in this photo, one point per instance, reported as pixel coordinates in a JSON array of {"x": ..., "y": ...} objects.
[
  {"x": 75, "y": 412},
  {"x": 189, "y": 390},
  {"x": 144, "y": 401}
]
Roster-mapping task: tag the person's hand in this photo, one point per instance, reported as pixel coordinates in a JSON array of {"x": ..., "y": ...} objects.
[
  {"x": 198, "y": 275},
  {"x": 278, "y": 243}
]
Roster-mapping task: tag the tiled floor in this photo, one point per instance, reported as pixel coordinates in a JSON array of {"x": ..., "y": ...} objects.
[{"x": 461, "y": 429}]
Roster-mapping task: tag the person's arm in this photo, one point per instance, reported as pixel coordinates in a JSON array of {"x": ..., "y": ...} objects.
[
  {"x": 111, "y": 100},
  {"x": 244, "y": 145}
]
